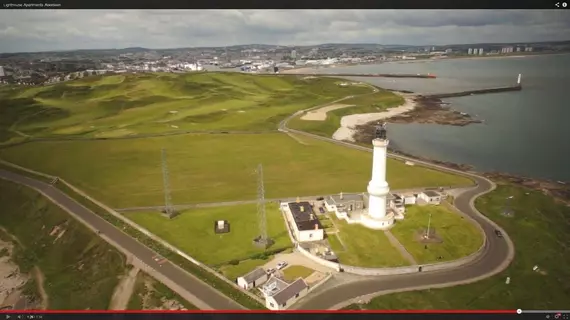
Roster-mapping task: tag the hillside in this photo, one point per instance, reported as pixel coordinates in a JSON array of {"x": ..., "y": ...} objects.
[{"x": 134, "y": 104}]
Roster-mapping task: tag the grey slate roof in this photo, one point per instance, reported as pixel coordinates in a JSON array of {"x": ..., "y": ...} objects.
[
  {"x": 290, "y": 291},
  {"x": 303, "y": 218},
  {"x": 254, "y": 275}
]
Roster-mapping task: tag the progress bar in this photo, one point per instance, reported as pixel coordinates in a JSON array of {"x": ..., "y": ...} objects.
[{"x": 561, "y": 312}]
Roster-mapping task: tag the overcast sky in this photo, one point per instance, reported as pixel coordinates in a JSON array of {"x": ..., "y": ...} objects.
[{"x": 44, "y": 30}]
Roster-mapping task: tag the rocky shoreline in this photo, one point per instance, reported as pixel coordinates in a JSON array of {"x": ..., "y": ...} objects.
[
  {"x": 431, "y": 110},
  {"x": 559, "y": 190}
]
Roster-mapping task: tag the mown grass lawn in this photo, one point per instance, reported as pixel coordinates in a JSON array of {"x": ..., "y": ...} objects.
[
  {"x": 193, "y": 231},
  {"x": 364, "y": 247},
  {"x": 540, "y": 231},
  {"x": 294, "y": 272},
  {"x": 460, "y": 237},
  {"x": 213, "y": 168}
]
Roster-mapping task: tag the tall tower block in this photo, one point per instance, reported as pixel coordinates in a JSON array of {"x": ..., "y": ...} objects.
[{"x": 378, "y": 186}]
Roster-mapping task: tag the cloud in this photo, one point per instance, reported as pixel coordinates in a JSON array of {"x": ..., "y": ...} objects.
[{"x": 42, "y": 30}]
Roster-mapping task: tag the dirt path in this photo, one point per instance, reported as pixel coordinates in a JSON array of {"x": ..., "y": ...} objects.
[
  {"x": 400, "y": 247},
  {"x": 40, "y": 281},
  {"x": 124, "y": 290},
  {"x": 321, "y": 113},
  {"x": 296, "y": 138}
]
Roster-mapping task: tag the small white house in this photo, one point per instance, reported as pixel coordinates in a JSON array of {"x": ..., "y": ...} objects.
[
  {"x": 280, "y": 295},
  {"x": 409, "y": 198},
  {"x": 253, "y": 279},
  {"x": 304, "y": 222},
  {"x": 430, "y": 196}
]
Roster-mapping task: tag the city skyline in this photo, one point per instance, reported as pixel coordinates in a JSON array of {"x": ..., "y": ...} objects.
[{"x": 63, "y": 30}]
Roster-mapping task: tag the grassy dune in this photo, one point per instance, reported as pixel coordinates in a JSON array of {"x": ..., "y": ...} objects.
[
  {"x": 213, "y": 167},
  {"x": 81, "y": 270},
  {"x": 369, "y": 103},
  {"x": 120, "y": 105}
]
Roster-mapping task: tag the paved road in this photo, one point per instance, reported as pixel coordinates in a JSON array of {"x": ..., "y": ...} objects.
[
  {"x": 497, "y": 253},
  {"x": 201, "y": 290}
]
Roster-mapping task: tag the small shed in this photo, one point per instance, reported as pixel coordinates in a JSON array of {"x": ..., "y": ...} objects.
[
  {"x": 253, "y": 279},
  {"x": 430, "y": 196}
]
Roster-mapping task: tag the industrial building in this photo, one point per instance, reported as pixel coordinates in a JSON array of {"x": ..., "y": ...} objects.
[
  {"x": 2, "y": 74},
  {"x": 279, "y": 294},
  {"x": 303, "y": 221}
]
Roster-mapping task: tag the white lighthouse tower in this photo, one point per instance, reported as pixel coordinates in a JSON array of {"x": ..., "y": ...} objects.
[{"x": 378, "y": 215}]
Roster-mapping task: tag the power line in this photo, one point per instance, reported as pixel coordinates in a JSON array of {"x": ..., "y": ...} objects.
[
  {"x": 262, "y": 240},
  {"x": 168, "y": 209}
]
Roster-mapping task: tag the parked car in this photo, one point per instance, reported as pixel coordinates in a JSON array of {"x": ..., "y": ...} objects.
[
  {"x": 498, "y": 233},
  {"x": 320, "y": 199},
  {"x": 281, "y": 265},
  {"x": 321, "y": 210},
  {"x": 270, "y": 271}
]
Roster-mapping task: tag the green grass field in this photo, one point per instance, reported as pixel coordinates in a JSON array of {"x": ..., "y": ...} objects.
[
  {"x": 121, "y": 105},
  {"x": 460, "y": 237},
  {"x": 193, "y": 232},
  {"x": 293, "y": 273},
  {"x": 80, "y": 269},
  {"x": 540, "y": 231},
  {"x": 363, "y": 247},
  {"x": 370, "y": 103},
  {"x": 212, "y": 168}
]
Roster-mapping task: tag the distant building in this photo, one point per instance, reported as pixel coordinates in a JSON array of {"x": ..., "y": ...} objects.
[
  {"x": 480, "y": 51},
  {"x": 470, "y": 51},
  {"x": 475, "y": 51},
  {"x": 448, "y": 50},
  {"x": 294, "y": 54},
  {"x": 518, "y": 49},
  {"x": 528, "y": 49},
  {"x": 2, "y": 74}
]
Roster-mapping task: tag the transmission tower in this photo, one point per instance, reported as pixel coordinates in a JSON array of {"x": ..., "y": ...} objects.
[
  {"x": 262, "y": 240},
  {"x": 168, "y": 210}
]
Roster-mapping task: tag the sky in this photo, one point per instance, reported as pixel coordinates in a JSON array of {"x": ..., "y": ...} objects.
[{"x": 46, "y": 30}]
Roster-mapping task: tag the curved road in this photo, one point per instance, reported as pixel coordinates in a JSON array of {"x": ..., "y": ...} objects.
[
  {"x": 496, "y": 256},
  {"x": 498, "y": 252}
]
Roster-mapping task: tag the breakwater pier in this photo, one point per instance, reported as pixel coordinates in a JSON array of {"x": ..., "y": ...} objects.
[
  {"x": 517, "y": 87},
  {"x": 378, "y": 75}
]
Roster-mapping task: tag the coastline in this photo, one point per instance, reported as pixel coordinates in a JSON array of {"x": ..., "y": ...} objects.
[
  {"x": 415, "y": 109},
  {"x": 349, "y": 124},
  {"x": 314, "y": 69}
]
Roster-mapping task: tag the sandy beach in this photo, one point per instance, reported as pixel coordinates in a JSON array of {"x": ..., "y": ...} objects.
[{"x": 348, "y": 123}]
